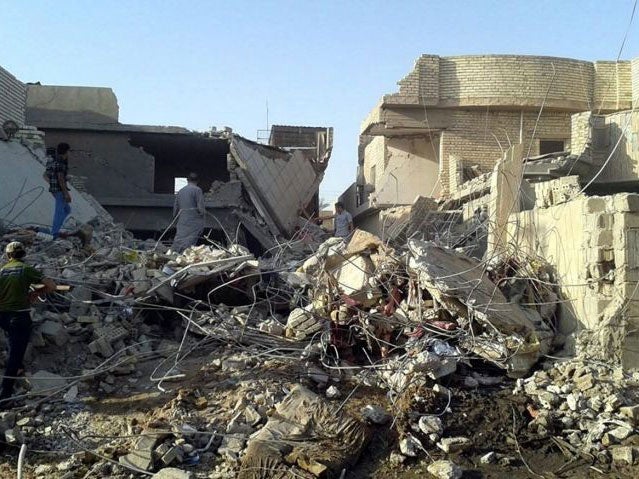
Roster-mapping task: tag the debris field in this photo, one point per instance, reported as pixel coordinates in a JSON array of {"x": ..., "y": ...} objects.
[{"x": 322, "y": 358}]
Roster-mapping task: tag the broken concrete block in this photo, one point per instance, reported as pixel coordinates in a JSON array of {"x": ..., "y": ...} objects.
[
  {"x": 111, "y": 334},
  {"x": 445, "y": 470},
  {"x": 102, "y": 347},
  {"x": 396, "y": 458},
  {"x": 621, "y": 433},
  {"x": 332, "y": 392},
  {"x": 308, "y": 464},
  {"x": 172, "y": 473},
  {"x": 174, "y": 454},
  {"x": 444, "y": 367},
  {"x": 631, "y": 412},
  {"x": 54, "y": 332},
  {"x": 623, "y": 454},
  {"x": 71, "y": 395},
  {"x": 624, "y": 202},
  {"x": 88, "y": 319},
  {"x": 232, "y": 445},
  {"x": 271, "y": 326},
  {"x": 44, "y": 383},
  {"x": 431, "y": 425},
  {"x": 354, "y": 277},
  {"x": 585, "y": 382},
  {"x": 302, "y": 323},
  {"x": 251, "y": 416},
  {"x": 454, "y": 444},
  {"x": 138, "y": 459},
  {"x": 488, "y": 458},
  {"x": 410, "y": 445}
]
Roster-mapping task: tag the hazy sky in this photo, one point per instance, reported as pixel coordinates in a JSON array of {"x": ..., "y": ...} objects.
[{"x": 200, "y": 63}]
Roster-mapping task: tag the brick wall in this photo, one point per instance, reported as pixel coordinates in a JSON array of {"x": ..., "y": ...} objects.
[
  {"x": 580, "y": 132},
  {"x": 612, "y": 86},
  {"x": 510, "y": 76},
  {"x": 519, "y": 80},
  {"x": 476, "y": 136},
  {"x": 13, "y": 97}
]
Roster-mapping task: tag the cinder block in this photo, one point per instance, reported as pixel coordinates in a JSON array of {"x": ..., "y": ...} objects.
[
  {"x": 626, "y": 202},
  {"x": 595, "y": 205}
]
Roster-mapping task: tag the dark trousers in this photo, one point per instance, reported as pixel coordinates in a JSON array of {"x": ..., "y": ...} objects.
[{"x": 17, "y": 326}]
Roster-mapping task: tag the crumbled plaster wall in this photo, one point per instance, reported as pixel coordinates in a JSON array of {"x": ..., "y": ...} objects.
[{"x": 405, "y": 169}]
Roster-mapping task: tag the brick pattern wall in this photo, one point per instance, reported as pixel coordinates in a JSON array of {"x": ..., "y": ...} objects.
[
  {"x": 580, "y": 132},
  {"x": 423, "y": 80},
  {"x": 476, "y": 136},
  {"x": 520, "y": 80},
  {"x": 613, "y": 85},
  {"x": 13, "y": 97},
  {"x": 514, "y": 76}
]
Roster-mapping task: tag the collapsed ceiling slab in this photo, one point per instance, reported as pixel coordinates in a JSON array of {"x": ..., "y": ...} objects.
[{"x": 279, "y": 183}]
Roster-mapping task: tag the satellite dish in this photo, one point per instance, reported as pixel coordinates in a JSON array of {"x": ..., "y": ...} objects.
[{"x": 10, "y": 127}]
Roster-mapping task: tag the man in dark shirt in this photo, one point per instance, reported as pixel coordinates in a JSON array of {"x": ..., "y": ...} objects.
[
  {"x": 16, "y": 278},
  {"x": 56, "y": 173}
]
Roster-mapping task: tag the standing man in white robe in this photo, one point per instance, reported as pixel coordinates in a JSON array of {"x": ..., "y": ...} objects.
[{"x": 190, "y": 211}]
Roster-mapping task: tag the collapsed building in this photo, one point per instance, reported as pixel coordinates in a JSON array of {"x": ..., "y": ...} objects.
[
  {"x": 426, "y": 348},
  {"x": 442, "y": 136},
  {"x": 254, "y": 191}
]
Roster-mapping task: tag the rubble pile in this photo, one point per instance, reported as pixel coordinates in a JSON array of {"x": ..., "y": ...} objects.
[
  {"x": 592, "y": 406},
  {"x": 250, "y": 367}
]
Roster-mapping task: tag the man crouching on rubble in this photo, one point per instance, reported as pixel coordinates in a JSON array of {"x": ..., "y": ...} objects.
[{"x": 15, "y": 318}]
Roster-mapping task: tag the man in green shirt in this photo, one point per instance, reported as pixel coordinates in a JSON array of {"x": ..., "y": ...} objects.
[{"x": 16, "y": 278}]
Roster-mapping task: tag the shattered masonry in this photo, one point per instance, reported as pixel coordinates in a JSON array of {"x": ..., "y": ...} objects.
[{"x": 486, "y": 323}]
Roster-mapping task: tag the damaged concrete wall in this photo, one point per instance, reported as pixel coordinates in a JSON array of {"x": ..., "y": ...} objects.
[
  {"x": 97, "y": 156},
  {"x": 24, "y": 194},
  {"x": 13, "y": 95},
  {"x": 52, "y": 105},
  {"x": 279, "y": 183},
  {"x": 622, "y": 143},
  {"x": 592, "y": 244},
  {"x": 404, "y": 169}
]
